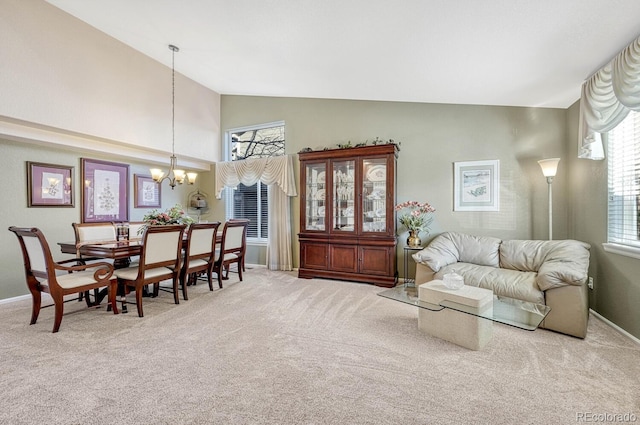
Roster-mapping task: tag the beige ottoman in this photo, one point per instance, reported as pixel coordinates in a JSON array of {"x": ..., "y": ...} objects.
[{"x": 459, "y": 328}]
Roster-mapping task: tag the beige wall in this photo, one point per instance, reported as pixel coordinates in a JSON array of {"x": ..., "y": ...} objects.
[
  {"x": 432, "y": 138},
  {"x": 616, "y": 293},
  {"x": 60, "y": 74}
]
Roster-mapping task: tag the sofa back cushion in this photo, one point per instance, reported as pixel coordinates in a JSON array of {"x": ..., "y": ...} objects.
[
  {"x": 525, "y": 256},
  {"x": 450, "y": 247},
  {"x": 480, "y": 250}
]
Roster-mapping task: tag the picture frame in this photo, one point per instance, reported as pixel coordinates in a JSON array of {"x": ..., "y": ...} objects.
[
  {"x": 49, "y": 185},
  {"x": 105, "y": 191},
  {"x": 477, "y": 185},
  {"x": 147, "y": 193}
]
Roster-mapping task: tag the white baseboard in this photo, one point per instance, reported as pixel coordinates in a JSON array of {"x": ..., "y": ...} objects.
[
  {"x": 615, "y": 327},
  {"x": 15, "y": 299}
]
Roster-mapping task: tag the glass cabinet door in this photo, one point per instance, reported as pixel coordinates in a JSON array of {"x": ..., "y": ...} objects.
[
  {"x": 343, "y": 191},
  {"x": 374, "y": 195},
  {"x": 315, "y": 196}
]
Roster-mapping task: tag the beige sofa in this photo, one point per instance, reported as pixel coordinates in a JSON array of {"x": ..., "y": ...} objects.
[{"x": 545, "y": 272}]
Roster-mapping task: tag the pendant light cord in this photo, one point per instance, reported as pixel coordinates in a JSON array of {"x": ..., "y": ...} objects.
[{"x": 174, "y": 49}]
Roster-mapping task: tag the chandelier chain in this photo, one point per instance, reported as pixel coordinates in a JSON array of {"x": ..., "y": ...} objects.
[{"x": 173, "y": 100}]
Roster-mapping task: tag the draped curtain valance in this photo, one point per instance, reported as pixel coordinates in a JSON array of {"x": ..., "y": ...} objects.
[
  {"x": 607, "y": 97},
  {"x": 276, "y": 170}
]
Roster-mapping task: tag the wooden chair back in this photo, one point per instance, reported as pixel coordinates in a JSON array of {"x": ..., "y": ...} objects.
[
  {"x": 86, "y": 232},
  {"x": 232, "y": 247},
  {"x": 161, "y": 247},
  {"x": 199, "y": 253},
  {"x": 159, "y": 260}
]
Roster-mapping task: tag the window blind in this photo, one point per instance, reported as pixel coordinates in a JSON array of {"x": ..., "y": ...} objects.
[
  {"x": 251, "y": 202},
  {"x": 624, "y": 182}
]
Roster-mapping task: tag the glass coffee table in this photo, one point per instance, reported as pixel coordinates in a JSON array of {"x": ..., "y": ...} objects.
[{"x": 509, "y": 311}]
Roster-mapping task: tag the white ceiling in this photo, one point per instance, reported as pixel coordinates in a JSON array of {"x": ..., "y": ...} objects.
[{"x": 489, "y": 52}]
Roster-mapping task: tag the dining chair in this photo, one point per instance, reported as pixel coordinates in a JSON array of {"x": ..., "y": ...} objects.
[
  {"x": 159, "y": 260},
  {"x": 88, "y": 233},
  {"x": 199, "y": 254},
  {"x": 245, "y": 246},
  {"x": 40, "y": 271},
  {"x": 232, "y": 248}
]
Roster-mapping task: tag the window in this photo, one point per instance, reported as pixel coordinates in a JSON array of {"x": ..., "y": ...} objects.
[
  {"x": 251, "y": 201},
  {"x": 624, "y": 182}
]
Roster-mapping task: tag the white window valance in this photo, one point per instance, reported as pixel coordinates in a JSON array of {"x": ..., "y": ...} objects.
[
  {"x": 606, "y": 99},
  {"x": 276, "y": 170}
]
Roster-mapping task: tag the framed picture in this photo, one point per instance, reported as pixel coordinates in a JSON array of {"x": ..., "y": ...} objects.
[
  {"x": 105, "y": 191},
  {"x": 477, "y": 186},
  {"x": 146, "y": 192},
  {"x": 49, "y": 185}
]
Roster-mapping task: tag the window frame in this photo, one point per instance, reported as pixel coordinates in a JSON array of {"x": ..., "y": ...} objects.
[
  {"x": 618, "y": 245},
  {"x": 229, "y": 192}
]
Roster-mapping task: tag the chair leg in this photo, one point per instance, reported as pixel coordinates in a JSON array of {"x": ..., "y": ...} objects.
[
  {"x": 87, "y": 298},
  {"x": 59, "y": 306},
  {"x": 176, "y": 298},
  {"x": 35, "y": 308},
  {"x": 219, "y": 271},
  {"x": 210, "y": 280},
  {"x": 113, "y": 289},
  {"x": 240, "y": 270},
  {"x": 139, "y": 301},
  {"x": 185, "y": 281}
]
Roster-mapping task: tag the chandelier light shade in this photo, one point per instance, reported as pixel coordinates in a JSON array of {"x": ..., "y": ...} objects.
[
  {"x": 549, "y": 169},
  {"x": 174, "y": 175}
]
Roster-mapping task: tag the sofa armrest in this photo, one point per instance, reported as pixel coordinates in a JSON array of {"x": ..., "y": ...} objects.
[
  {"x": 441, "y": 252},
  {"x": 424, "y": 274},
  {"x": 567, "y": 263}
]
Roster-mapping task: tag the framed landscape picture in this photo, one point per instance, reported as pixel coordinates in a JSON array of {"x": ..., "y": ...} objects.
[
  {"x": 49, "y": 185},
  {"x": 105, "y": 191},
  {"x": 146, "y": 192},
  {"x": 477, "y": 186}
]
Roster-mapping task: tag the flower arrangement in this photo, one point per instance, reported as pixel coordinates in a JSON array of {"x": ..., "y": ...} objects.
[
  {"x": 173, "y": 215},
  {"x": 419, "y": 216}
]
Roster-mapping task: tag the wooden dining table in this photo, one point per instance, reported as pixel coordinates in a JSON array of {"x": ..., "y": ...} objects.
[{"x": 119, "y": 251}]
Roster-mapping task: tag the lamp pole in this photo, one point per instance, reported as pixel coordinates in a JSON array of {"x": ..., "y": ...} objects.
[{"x": 549, "y": 182}]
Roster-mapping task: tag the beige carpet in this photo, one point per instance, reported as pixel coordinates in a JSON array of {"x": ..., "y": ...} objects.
[{"x": 275, "y": 349}]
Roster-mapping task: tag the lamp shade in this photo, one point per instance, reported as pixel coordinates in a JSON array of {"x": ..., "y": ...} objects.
[{"x": 549, "y": 166}]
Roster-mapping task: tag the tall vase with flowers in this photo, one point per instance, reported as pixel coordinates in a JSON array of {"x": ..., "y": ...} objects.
[
  {"x": 173, "y": 215},
  {"x": 416, "y": 220}
]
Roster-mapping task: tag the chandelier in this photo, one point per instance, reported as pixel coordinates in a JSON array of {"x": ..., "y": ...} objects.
[{"x": 175, "y": 176}]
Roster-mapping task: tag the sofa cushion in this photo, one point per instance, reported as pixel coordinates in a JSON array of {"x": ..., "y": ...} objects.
[
  {"x": 504, "y": 282},
  {"x": 526, "y": 256},
  {"x": 450, "y": 247}
]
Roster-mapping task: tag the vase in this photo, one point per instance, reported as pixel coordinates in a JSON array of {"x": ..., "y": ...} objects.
[{"x": 413, "y": 240}]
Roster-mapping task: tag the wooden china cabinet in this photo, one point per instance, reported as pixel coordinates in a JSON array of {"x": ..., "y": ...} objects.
[{"x": 347, "y": 217}]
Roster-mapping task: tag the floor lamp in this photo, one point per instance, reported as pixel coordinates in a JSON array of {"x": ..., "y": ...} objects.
[{"x": 549, "y": 168}]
